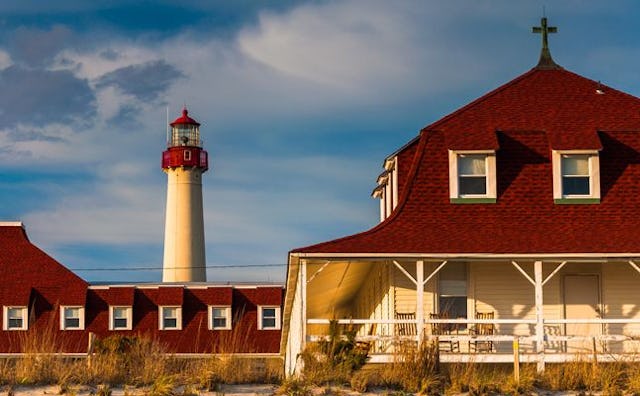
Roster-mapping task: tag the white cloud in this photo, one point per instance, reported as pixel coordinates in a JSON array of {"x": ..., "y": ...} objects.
[
  {"x": 360, "y": 49},
  {"x": 5, "y": 60},
  {"x": 94, "y": 64},
  {"x": 35, "y": 146},
  {"x": 337, "y": 44}
]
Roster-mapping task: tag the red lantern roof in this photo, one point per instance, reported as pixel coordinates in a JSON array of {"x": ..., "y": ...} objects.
[{"x": 185, "y": 119}]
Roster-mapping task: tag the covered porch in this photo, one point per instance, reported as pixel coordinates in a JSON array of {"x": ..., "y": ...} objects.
[{"x": 477, "y": 308}]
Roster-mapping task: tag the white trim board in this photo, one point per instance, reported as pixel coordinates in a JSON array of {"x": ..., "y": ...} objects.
[{"x": 466, "y": 256}]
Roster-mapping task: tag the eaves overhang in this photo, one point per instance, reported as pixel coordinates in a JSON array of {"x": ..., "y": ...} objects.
[{"x": 467, "y": 256}]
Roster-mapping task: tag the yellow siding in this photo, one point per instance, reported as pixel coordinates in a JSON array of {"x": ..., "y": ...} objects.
[
  {"x": 621, "y": 299},
  {"x": 403, "y": 290},
  {"x": 372, "y": 300},
  {"x": 501, "y": 288}
]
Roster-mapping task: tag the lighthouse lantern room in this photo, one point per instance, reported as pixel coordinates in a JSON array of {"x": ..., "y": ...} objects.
[{"x": 184, "y": 162}]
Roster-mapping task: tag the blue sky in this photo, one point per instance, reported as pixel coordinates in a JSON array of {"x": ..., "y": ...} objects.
[{"x": 299, "y": 103}]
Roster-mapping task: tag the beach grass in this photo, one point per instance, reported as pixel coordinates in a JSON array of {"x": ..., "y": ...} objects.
[{"x": 143, "y": 363}]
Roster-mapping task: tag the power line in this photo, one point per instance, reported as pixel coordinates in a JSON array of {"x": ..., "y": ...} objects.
[{"x": 195, "y": 267}]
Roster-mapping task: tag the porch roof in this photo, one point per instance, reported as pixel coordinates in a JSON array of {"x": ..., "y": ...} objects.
[
  {"x": 332, "y": 288},
  {"x": 539, "y": 111}
]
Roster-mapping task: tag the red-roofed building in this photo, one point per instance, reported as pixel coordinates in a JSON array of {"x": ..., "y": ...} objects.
[
  {"x": 512, "y": 218},
  {"x": 41, "y": 299}
]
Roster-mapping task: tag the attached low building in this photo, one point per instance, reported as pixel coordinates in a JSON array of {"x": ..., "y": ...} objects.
[{"x": 41, "y": 299}]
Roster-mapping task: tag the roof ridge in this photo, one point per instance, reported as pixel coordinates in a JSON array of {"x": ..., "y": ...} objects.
[{"x": 483, "y": 98}]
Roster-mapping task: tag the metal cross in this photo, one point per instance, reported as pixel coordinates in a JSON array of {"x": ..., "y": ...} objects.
[{"x": 545, "y": 30}]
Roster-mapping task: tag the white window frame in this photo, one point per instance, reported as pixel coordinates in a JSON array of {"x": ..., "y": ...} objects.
[
  {"x": 594, "y": 175},
  {"x": 187, "y": 155},
  {"x": 5, "y": 316},
  {"x": 161, "y": 311},
  {"x": 63, "y": 325},
  {"x": 261, "y": 309},
  {"x": 227, "y": 310},
  {"x": 129, "y": 311},
  {"x": 490, "y": 175}
]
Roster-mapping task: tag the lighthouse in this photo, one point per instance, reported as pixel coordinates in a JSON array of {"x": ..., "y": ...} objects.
[{"x": 184, "y": 162}]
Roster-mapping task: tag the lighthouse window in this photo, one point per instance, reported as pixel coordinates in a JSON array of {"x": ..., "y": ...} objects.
[
  {"x": 187, "y": 155},
  {"x": 120, "y": 318},
  {"x": 185, "y": 135},
  {"x": 15, "y": 318}
]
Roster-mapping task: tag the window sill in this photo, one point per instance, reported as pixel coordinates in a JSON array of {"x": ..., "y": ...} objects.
[
  {"x": 472, "y": 200},
  {"x": 576, "y": 201}
]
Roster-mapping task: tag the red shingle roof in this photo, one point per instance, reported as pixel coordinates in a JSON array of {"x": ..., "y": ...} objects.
[
  {"x": 120, "y": 295},
  {"x": 169, "y": 295},
  {"x": 527, "y": 117},
  {"x": 24, "y": 267}
]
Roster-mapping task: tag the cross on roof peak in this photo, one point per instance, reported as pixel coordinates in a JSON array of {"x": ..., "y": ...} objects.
[{"x": 546, "y": 61}]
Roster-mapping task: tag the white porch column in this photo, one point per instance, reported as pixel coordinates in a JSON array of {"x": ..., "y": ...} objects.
[
  {"x": 303, "y": 313},
  {"x": 538, "y": 282},
  {"x": 420, "y": 300}
]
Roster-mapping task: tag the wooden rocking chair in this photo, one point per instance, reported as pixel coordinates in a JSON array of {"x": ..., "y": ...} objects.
[
  {"x": 365, "y": 346},
  {"x": 438, "y": 329},
  {"x": 482, "y": 329},
  {"x": 406, "y": 329}
]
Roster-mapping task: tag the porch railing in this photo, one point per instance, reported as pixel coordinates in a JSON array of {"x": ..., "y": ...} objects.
[{"x": 516, "y": 355}]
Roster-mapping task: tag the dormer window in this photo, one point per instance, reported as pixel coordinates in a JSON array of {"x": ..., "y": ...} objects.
[
  {"x": 472, "y": 176},
  {"x": 576, "y": 177},
  {"x": 387, "y": 189}
]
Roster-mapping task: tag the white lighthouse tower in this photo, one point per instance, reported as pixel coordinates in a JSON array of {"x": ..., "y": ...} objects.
[{"x": 184, "y": 162}]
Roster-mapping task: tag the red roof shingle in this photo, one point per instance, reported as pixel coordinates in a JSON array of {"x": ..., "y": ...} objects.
[
  {"x": 24, "y": 266},
  {"x": 524, "y": 119}
]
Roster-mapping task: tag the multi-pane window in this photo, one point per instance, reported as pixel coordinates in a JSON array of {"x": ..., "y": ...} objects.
[
  {"x": 575, "y": 175},
  {"x": 472, "y": 174},
  {"x": 185, "y": 135},
  {"x": 71, "y": 318},
  {"x": 452, "y": 288},
  {"x": 120, "y": 318},
  {"x": 268, "y": 318},
  {"x": 15, "y": 318},
  {"x": 220, "y": 318},
  {"x": 170, "y": 318}
]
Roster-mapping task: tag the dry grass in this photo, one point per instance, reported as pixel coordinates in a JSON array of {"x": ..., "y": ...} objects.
[
  {"x": 415, "y": 369},
  {"x": 582, "y": 375},
  {"x": 143, "y": 362},
  {"x": 483, "y": 379},
  {"x": 415, "y": 373},
  {"x": 133, "y": 361}
]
